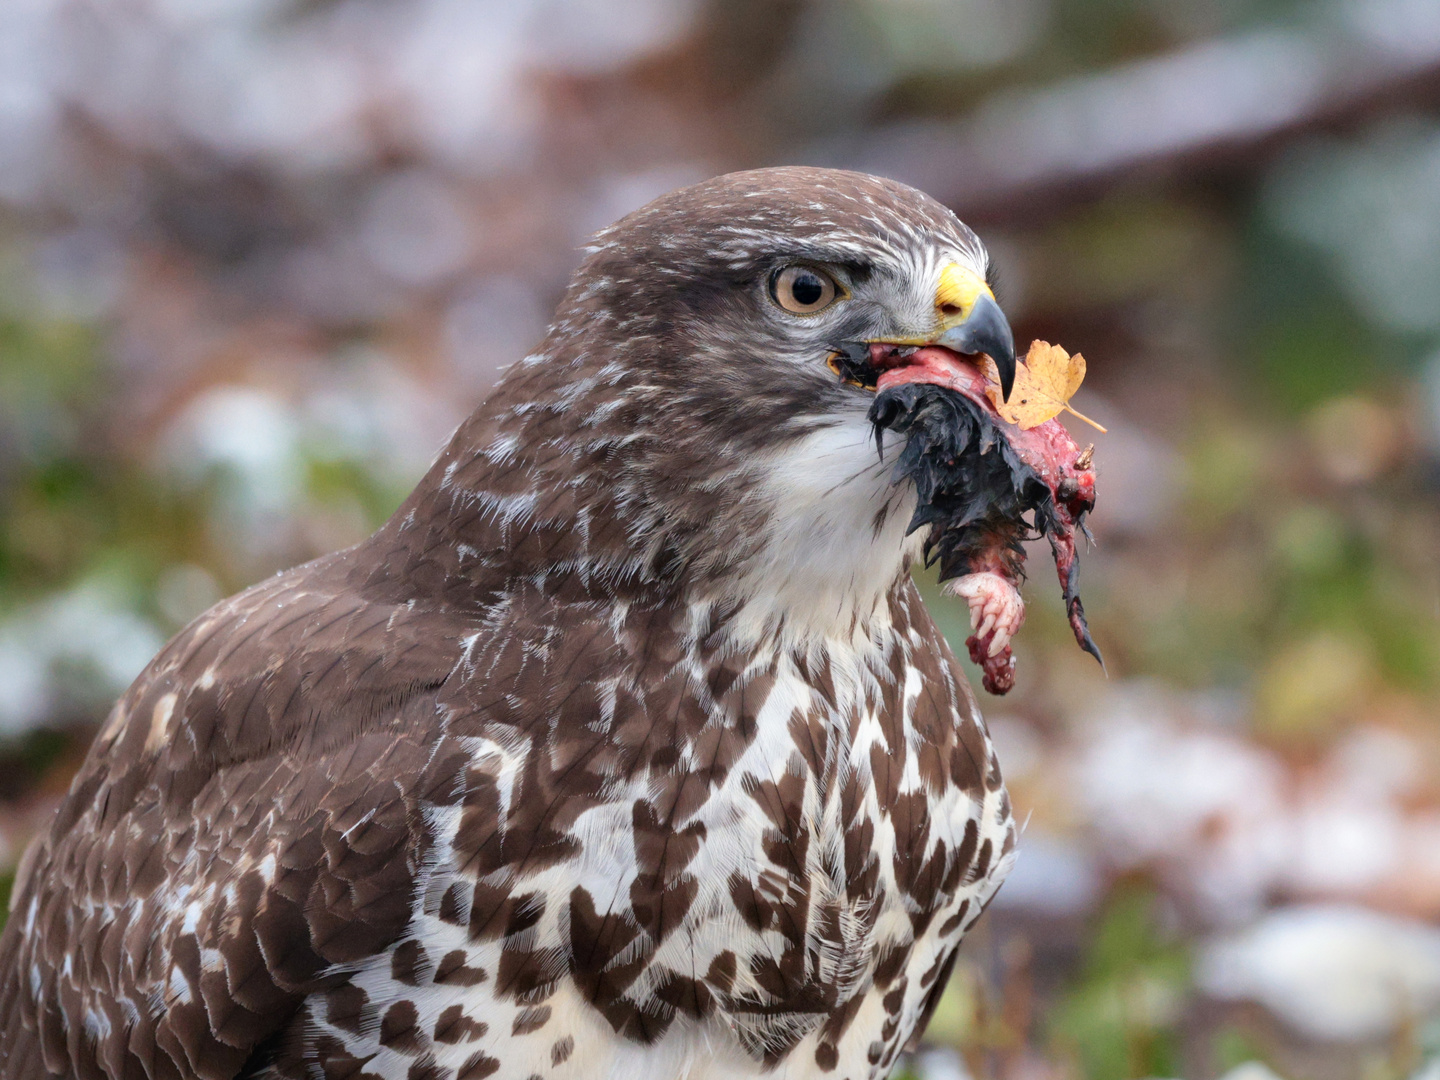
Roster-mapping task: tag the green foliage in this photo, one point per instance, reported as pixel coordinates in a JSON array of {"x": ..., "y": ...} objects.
[
  {"x": 41, "y": 750},
  {"x": 68, "y": 506},
  {"x": 1119, "y": 1018},
  {"x": 333, "y": 481},
  {"x": 46, "y": 380},
  {"x": 1233, "y": 1046},
  {"x": 7, "y": 885},
  {"x": 1292, "y": 326}
]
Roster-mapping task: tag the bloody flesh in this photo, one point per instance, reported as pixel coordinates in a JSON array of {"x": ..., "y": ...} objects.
[{"x": 983, "y": 484}]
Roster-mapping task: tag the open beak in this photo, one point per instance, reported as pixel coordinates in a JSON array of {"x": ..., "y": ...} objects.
[
  {"x": 984, "y": 329},
  {"x": 968, "y": 322}
]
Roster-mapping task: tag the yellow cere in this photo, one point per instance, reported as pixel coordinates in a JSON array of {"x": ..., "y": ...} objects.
[{"x": 958, "y": 290}]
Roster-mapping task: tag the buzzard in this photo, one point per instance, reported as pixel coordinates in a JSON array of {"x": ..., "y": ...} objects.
[{"x": 626, "y": 747}]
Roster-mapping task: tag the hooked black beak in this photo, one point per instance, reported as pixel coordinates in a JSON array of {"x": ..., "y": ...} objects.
[{"x": 985, "y": 330}]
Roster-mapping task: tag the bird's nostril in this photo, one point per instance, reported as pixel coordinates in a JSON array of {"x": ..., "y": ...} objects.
[{"x": 949, "y": 309}]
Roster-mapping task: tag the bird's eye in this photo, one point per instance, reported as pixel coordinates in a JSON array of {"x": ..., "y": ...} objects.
[{"x": 803, "y": 289}]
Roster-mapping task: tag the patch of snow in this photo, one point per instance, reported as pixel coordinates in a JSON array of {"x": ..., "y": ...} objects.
[
  {"x": 1052, "y": 877},
  {"x": 1251, "y": 1070},
  {"x": 1230, "y": 824},
  {"x": 75, "y": 650},
  {"x": 1329, "y": 971},
  {"x": 941, "y": 1063}
]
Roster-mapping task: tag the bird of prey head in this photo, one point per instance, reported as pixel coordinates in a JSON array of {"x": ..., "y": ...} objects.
[{"x": 705, "y": 401}]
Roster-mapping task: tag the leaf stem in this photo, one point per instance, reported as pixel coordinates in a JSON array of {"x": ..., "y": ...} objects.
[{"x": 1087, "y": 420}]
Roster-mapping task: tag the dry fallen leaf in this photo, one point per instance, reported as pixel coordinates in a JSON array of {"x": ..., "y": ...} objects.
[{"x": 1044, "y": 383}]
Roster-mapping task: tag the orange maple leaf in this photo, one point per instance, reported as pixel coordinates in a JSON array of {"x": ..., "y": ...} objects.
[{"x": 1044, "y": 383}]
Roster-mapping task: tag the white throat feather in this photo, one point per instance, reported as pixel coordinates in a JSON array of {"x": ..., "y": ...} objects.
[{"x": 834, "y": 542}]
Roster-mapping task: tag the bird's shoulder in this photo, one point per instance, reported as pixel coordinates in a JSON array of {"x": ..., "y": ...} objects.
[{"x": 248, "y": 818}]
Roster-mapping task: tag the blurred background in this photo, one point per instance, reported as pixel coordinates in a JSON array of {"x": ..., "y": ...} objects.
[{"x": 258, "y": 257}]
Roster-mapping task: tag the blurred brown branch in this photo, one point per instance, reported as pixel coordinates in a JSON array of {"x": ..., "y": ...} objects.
[{"x": 1215, "y": 107}]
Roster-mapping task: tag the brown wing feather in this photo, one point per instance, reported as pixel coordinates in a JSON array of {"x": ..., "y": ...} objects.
[{"x": 248, "y": 818}]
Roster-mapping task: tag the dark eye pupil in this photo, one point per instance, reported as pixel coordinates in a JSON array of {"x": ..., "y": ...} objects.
[{"x": 807, "y": 289}]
